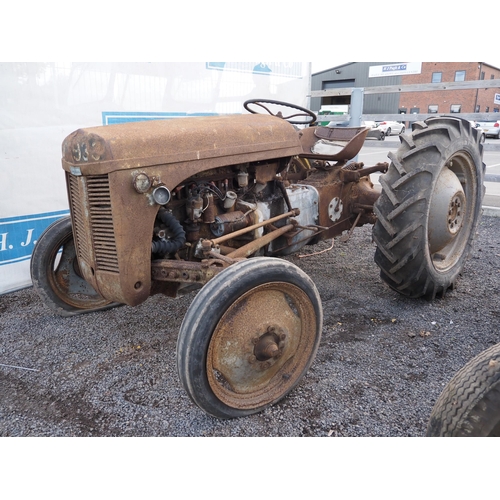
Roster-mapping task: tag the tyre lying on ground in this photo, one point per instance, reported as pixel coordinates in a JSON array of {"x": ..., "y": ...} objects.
[{"x": 470, "y": 404}]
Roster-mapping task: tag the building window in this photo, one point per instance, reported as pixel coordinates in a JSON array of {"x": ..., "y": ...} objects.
[
  {"x": 460, "y": 76},
  {"x": 482, "y": 75},
  {"x": 432, "y": 108},
  {"x": 478, "y": 108},
  {"x": 492, "y": 77},
  {"x": 487, "y": 110},
  {"x": 415, "y": 111},
  {"x": 402, "y": 111},
  {"x": 437, "y": 77},
  {"x": 455, "y": 108}
]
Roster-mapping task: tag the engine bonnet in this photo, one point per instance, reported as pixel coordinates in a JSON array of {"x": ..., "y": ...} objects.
[{"x": 225, "y": 140}]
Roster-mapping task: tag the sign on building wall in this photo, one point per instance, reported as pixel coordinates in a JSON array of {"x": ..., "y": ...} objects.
[
  {"x": 398, "y": 69},
  {"x": 496, "y": 100},
  {"x": 41, "y": 103}
]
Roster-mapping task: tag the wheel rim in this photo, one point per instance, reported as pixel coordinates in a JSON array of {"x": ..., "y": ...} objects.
[
  {"x": 64, "y": 277},
  {"x": 262, "y": 345},
  {"x": 451, "y": 212}
]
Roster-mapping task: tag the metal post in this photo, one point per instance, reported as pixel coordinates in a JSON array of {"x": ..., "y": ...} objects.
[
  {"x": 356, "y": 110},
  {"x": 356, "y": 107}
]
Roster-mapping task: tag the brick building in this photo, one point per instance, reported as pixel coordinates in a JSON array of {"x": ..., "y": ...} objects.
[
  {"x": 358, "y": 74},
  {"x": 450, "y": 101}
]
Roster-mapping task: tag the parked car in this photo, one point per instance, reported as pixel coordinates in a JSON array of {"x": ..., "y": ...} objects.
[
  {"x": 374, "y": 131},
  {"x": 482, "y": 136},
  {"x": 391, "y": 128},
  {"x": 490, "y": 129}
]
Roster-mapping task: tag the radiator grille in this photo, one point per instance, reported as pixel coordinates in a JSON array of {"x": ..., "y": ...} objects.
[
  {"x": 77, "y": 196},
  {"x": 98, "y": 198},
  {"x": 101, "y": 219}
]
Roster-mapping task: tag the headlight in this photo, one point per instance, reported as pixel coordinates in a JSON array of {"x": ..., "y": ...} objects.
[
  {"x": 161, "y": 195},
  {"x": 142, "y": 183}
]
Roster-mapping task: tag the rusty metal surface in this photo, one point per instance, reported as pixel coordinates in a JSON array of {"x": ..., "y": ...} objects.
[
  {"x": 113, "y": 170},
  {"x": 113, "y": 227},
  {"x": 185, "y": 271},
  {"x": 222, "y": 239},
  {"x": 346, "y": 191},
  {"x": 349, "y": 175},
  {"x": 260, "y": 345},
  {"x": 250, "y": 248},
  {"x": 192, "y": 143},
  {"x": 67, "y": 282},
  {"x": 351, "y": 139}
]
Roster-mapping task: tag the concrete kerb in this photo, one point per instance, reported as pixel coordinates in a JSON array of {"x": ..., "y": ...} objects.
[
  {"x": 492, "y": 178},
  {"x": 491, "y": 211}
]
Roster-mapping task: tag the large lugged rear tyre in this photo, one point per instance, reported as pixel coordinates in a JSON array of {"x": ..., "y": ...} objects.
[
  {"x": 56, "y": 276},
  {"x": 470, "y": 403},
  {"x": 429, "y": 207},
  {"x": 249, "y": 337}
]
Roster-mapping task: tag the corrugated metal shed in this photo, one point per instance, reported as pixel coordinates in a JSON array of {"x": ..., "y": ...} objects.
[{"x": 355, "y": 74}]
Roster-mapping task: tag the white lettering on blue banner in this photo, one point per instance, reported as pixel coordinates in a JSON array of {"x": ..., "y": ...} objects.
[
  {"x": 18, "y": 235},
  {"x": 397, "y": 69}
]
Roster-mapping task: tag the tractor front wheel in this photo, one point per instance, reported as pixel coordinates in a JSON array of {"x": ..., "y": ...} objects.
[
  {"x": 56, "y": 276},
  {"x": 249, "y": 337}
]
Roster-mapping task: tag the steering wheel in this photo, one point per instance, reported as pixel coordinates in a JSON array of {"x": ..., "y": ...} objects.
[{"x": 303, "y": 111}]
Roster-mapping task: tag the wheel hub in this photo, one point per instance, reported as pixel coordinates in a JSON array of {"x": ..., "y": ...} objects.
[
  {"x": 447, "y": 210},
  {"x": 455, "y": 213},
  {"x": 270, "y": 344},
  {"x": 260, "y": 344}
]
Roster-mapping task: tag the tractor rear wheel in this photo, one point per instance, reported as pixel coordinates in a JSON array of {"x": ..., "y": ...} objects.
[{"x": 428, "y": 211}]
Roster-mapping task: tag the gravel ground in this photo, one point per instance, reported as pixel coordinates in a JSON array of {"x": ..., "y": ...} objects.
[{"x": 382, "y": 362}]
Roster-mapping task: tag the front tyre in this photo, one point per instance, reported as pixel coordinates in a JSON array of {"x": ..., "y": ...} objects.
[
  {"x": 249, "y": 337},
  {"x": 470, "y": 404},
  {"x": 428, "y": 211},
  {"x": 56, "y": 276}
]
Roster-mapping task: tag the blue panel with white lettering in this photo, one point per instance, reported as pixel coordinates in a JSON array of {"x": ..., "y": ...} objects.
[
  {"x": 18, "y": 235},
  {"x": 395, "y": 67},
  {"x": 113, "y": 117}
]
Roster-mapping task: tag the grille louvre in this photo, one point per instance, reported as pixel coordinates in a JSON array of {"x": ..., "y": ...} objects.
[
  {"x": 101, "y": 219},
  {"x": 91, "y": 194},
  {"x": 77, "y": 208}
]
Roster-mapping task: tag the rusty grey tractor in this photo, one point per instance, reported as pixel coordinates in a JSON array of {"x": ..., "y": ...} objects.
[{"x": 210, "y": 204}]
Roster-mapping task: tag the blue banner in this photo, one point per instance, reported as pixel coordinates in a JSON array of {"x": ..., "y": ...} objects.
[
  {"x": 18, "y": 235},
  {"x": 113, "y": 117}
]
